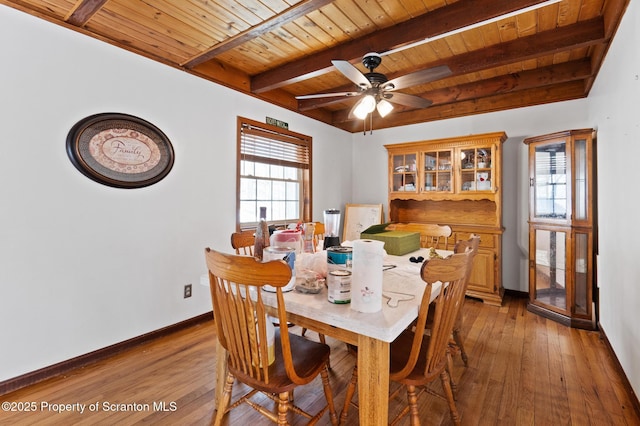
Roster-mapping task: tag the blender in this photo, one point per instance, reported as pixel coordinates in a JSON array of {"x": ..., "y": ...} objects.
[{"x": 331, "y": 228}]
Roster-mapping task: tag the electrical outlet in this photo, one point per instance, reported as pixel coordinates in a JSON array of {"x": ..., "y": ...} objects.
[{"x": 187, "y": 290}]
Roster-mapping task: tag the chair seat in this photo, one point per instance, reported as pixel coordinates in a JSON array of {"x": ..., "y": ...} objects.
[
  {"x": 399, "y": 356},
  {"x": 309, "y": 358}
]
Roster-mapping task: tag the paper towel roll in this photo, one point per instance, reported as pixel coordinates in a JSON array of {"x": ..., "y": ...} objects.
[{"x": 366, "y": 276}]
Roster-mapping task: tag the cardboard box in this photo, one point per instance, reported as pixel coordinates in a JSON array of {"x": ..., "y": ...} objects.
[{"x": 396, "y": 243}]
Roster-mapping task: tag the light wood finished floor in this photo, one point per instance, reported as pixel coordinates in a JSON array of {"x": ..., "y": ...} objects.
[{"x": 523, "y": 370}]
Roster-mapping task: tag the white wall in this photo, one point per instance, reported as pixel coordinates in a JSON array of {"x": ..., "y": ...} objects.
[
  {"x": 612, "y": 106},
  {"x": 82, "y": 265}
]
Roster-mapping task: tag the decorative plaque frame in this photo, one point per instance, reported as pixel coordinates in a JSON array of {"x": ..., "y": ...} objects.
[{"x": 120, "y": 150}]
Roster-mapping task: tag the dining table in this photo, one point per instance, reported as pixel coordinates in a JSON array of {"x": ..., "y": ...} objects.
[{"x": 372, "y": 333}]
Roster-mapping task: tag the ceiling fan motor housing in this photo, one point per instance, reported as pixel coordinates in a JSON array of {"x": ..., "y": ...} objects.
[
  {"x": 375, "y": 78},
  {"x": 371, "y": 61}
]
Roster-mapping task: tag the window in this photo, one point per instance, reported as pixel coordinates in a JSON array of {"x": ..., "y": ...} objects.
[{"x": 273, "y": 171}]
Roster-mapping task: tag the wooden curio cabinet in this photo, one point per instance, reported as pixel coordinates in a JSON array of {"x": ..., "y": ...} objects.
[
  {"x": 455, "y": 182},
  {"x": 562, "y": 227}
]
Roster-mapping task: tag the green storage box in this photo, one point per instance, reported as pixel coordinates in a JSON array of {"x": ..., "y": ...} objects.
[{"x": 396, "y": 243}]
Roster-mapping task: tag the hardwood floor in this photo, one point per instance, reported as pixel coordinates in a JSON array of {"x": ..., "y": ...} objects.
[{"x": 523, "y": 370}]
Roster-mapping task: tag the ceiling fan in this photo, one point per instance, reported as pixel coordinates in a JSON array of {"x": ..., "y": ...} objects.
[{"x": 379, "y": 92}]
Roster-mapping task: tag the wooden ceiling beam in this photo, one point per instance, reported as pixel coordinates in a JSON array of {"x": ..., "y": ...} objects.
[
  {"x": 445, "y": 19},
  {"x": 582, "y": 34},
  {"x": 83, "y": 11},
  {"x": 553, "y": 74},
  {"x": 303, "y": 8},
  {"x": 537, "y": 96}
]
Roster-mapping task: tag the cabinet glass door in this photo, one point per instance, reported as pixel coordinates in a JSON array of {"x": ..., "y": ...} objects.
[
  {"x": 550, "y": 181},
  {"x": 580, "y": 165},
  {"x": 437, "y": 171},
  {"x": 550, "y": 268},
  {"x": 581, "y": 280},
  {"x": 404, "y": 173},
  {"x": 475, "y": 169}
]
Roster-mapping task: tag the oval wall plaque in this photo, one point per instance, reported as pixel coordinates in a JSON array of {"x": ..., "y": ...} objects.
[{"x": 120, "y": 150}]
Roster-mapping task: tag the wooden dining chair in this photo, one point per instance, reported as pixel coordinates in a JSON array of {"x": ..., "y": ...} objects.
[
  {"x": 431, "y": 234},
  {"x": 456, "y": 343},
  {"x": 318, "y": 233},
  {"x": 418, "y": 358},
  {"x": 243, "y": 242},
  {"x": 461, "y": 246},
  {"x": 240, "y": 316}
]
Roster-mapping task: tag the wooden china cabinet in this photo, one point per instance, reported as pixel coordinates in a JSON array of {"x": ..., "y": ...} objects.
[
  {"x": 562, "y": 227},
  {"x": 455, "y": 182}
]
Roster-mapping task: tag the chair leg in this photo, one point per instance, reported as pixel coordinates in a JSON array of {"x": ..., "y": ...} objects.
[
  {"x": 351, "y": 389},
  {"x": 304, "y": 330},
  {"x": 458, "y": 339},
  {"x": 323, "y": 340},
  {"x": 446, "y": 385},
  {"x": 224, "y": 400},
  {"x": 454, "y": 386},
  {"x": 283, "y": 407},
  {"x": 328, "y": 393},
  {"x": 412, "y": 400}
]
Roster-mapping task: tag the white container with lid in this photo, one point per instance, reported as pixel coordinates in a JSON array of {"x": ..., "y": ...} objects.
[{"x": 287, "y": 254}]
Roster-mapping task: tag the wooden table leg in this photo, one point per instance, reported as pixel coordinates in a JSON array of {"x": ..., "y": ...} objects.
[
  {"x": 221, "y": 370},
  {"x": 373, "y": 381}
]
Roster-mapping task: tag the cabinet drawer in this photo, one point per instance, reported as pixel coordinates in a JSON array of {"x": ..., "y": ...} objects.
[{"x": 486, "y": 240}]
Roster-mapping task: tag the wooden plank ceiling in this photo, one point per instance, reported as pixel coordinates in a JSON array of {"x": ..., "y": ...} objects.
[{"x": 279, "y": 49}]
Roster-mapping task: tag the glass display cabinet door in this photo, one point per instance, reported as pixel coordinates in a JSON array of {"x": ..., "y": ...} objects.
[
  {"x": 550, "y": 286},
  {"x": 404, "y": 173},
  {"x": 550, "y": 191},
  {"x": 582, "y": 191},
  {"x": 438, "y": 171},
  {"x": 581, "y": 278},
  {"x": 475, "y": 169}
]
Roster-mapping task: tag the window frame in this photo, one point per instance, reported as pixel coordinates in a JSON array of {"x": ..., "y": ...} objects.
[{"x": 301, "y": 158}]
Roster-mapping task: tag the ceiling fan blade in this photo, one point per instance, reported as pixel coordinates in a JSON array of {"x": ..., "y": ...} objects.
[
  {"x": 407, "y": 100},
  {"x": 418, "y": 77},
  {"x": 315, "y": 103},
  {"x": 351, "y": 73},
  {"x": 329, "y": 95}
]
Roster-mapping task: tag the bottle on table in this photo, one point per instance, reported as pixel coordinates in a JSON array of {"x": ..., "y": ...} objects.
[{"x": 262, "y": 235}]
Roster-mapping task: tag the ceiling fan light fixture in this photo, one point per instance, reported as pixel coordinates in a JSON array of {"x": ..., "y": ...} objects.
[
  {"x": 384, "y": 108},
  {"x": 364, "y": 107}
]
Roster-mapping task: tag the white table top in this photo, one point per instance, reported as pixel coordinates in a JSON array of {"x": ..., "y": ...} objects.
[{"x": 384, "y": 325}]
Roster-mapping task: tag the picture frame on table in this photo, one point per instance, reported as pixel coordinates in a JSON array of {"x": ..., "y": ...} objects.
[
  {"x": 120, "y": 150},
  {"x": 359, "y": 217}
]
